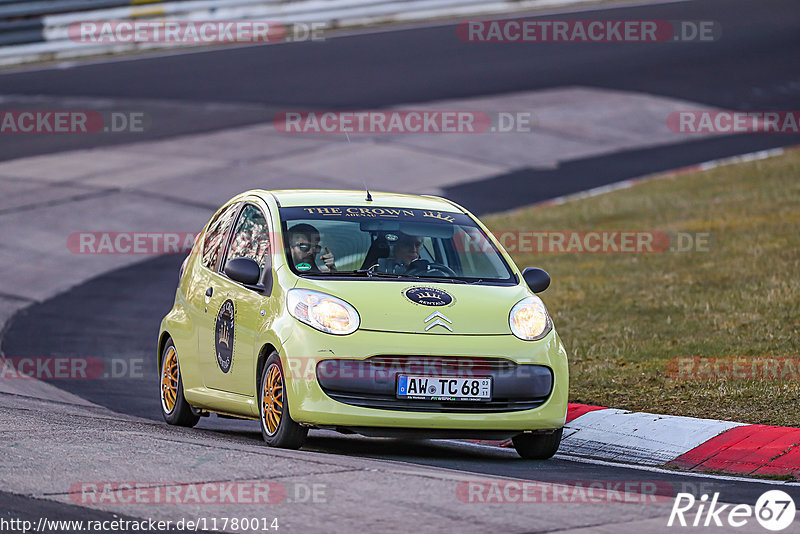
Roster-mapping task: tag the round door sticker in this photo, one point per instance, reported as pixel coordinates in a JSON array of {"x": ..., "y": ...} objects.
[
  {"x": 428, "y": 296},
  {"x": 223, "y": 336}
]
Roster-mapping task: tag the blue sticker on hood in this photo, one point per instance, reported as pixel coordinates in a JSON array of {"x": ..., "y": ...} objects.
[{"x": 428, "y": 296}]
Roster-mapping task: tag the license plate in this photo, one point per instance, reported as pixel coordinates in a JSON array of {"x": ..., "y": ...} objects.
[{"x": 444, "y": 388}]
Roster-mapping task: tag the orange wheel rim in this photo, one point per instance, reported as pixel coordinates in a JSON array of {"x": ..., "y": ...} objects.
[
  {"x": 272, "y": 400},
  {"x": 169, "y": 380}
]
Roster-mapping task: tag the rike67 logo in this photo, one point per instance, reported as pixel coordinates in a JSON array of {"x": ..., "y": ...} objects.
[{"x": 774, "y": 510}]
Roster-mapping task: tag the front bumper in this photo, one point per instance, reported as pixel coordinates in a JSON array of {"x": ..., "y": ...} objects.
[
  {"x": 372, "y": 383},
  {"x": 309, "y": 404}
]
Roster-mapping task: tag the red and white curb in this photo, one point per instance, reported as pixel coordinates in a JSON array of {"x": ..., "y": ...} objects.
[
  {"x": 635, "y": 437},
  {"x": 683, "y": 442}
]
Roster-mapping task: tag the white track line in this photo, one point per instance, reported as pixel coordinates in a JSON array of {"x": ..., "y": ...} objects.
[
  {"x": 704, "y": 166},
  {"x": 674, "y": 472}
]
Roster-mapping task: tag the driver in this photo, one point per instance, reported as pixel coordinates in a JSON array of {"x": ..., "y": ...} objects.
[
  {"x": 304, "y": 244},
  {"x": 405, "y": 250},
  {"x": 407, "y": 247}
]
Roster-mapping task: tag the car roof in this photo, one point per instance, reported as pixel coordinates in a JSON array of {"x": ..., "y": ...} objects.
[{"x": 339, "y": 197}]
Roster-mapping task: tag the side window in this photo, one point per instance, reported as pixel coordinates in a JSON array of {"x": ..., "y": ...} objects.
[
  {"x": 251, "y": 236},
  {"x": 473, "y": 252},
  {"x": 216, "y": 236}
]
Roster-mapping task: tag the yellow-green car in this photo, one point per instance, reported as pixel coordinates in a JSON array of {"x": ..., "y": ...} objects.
[{"x": 380, "y": 314}]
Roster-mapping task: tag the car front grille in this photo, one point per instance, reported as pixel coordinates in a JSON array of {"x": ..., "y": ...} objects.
[
  {"x": 389, "y": 402},
  {"x": 371, "y": 383}
]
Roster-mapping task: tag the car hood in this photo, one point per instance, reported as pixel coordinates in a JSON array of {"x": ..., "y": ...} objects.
[{"x": 411, "y": 307}]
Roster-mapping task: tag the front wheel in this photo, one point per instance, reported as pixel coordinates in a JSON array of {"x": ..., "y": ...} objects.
[
  {"x": 277, "y": 426},
  {"x": 174, "y": 408},
  {"x": 537, "y": 446}
]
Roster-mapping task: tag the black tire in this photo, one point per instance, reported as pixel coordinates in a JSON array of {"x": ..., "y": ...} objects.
[
  {"x": 287, "y": 434},
  {"x": 535, "y": 446},
  {"x": 181, "y": 413}
]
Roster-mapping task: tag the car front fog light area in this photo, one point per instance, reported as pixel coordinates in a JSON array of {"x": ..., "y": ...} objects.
[
  {"x": 529, "y": 319},
  {"x": 324, "y": 312}
]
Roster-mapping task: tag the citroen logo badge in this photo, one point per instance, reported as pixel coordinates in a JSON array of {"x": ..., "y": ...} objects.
[{"x": 437, "y": 319}]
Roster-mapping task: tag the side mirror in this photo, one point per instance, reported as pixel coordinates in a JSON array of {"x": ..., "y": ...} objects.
[
  {"x": 537, "y": 279},
  {"x": 243, "y": 270}
]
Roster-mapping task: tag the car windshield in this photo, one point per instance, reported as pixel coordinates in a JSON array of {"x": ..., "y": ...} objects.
[{"x": 384, "y": 242}]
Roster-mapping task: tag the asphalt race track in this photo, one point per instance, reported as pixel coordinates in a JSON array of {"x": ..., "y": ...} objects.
[
  {"x": 753, "y": 66},
  {"x": 26, "y": 509},
  {"x": 85, "y": 321}
]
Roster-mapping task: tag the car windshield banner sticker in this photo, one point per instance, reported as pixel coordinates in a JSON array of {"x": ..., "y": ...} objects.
[
  {"x": 223, "y": 336},
  {"x": 361, "y": 213},
  {"x": 428, "y": 296}
]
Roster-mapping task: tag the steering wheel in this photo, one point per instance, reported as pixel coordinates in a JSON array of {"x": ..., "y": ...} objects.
[{"x": 420, "y": 266}]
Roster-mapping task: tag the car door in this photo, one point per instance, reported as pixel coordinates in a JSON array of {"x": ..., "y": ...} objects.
[
  {"x": 232, "y": 342},
  {"x": 196, "y": 284}
]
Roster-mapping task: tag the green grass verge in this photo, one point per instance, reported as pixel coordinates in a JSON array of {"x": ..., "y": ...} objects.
[{"x": 623, "y": 317}]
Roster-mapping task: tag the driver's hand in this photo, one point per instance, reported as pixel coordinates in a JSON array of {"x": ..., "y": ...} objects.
[
  {"x": 328, "y": 259},
  {"x": 418, "y": 266}
]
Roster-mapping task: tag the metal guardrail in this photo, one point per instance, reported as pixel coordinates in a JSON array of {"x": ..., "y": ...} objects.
[
  {"x": 40, "y": 14},
  {"x": 29, "y": 8},
  {"x": 23, "y": 21},
  {"x": 21, "y": 31},
  {"x": 52, "y": 17},
  {"x": 55, "y": 42}
]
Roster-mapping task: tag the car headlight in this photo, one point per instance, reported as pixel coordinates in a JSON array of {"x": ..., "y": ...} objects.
[
  {"x": 529, "y": 319},
  {"x": 324, "y": 312}
]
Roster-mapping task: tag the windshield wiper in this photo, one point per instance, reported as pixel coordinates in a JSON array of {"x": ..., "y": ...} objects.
[
  {"x": 372, "y": 272},
  {"x": 438, "y": 279}
]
